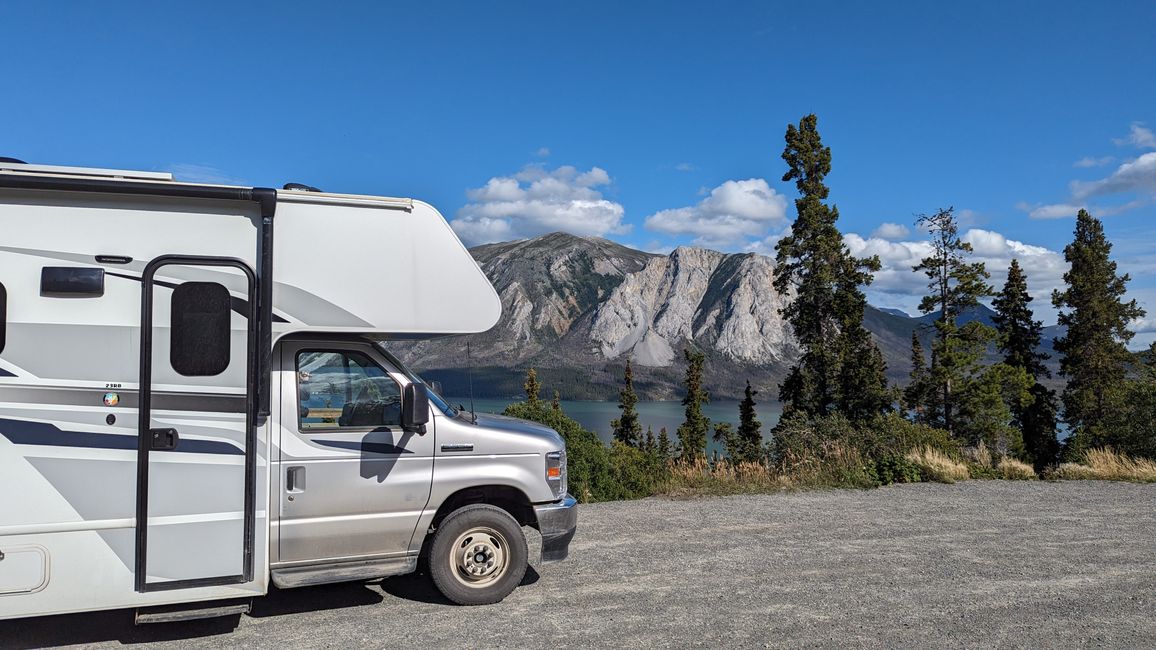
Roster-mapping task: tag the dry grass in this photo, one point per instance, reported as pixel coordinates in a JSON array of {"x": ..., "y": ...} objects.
[
  {"x": 979, "y": 455},
  {"x": 1107, "y": 465},
  {"x": 1014, "y": 470},
  {"x": 938, "y": 465},
  {"x": 832, "y": 466}
]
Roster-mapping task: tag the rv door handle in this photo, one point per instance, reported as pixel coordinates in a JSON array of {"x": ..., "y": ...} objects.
[
  {"x": 163, "y": 439},
  {"x": 295, "y": 480}
]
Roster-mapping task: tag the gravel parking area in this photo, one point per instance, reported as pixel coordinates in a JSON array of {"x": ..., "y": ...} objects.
[{"x": 980, "y": 563}]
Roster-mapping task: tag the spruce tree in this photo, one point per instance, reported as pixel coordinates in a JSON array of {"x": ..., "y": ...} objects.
[
  {"x": 664, "y": 444},
  {"x": 955, "y": 285},
  {"x": 532, "y": 387},
  {"x": 1093, "y": 353},
  {"x": 919, "y": 395},
  {"x": 750, "y": 433},
  {"x": 840, "y": 366},
  {"x": 648, "y": 443},
  {"x": 1019, "y": 340},
  {"x": 627, "y": 428},
  {"x": 692, "y": 432}
]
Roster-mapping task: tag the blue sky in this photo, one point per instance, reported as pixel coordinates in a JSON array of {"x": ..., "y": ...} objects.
[{"x": 653, "y": 124}]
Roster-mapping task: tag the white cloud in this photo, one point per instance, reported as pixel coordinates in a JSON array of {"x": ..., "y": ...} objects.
[
  {"x": 685, "y": 167},
  {"x": 537, "y": 200},
  {"x": 1139, "y": 136},
  {"x": 891, "y": 231},
  {"x": 1088, "y": 161},
  {"x": 543, "y": 152},
  {"x": 903, "y": 286},
  {"x": 1137, "y": 175},
  {"x": 1050, "y": 211},
  {"x": 731, "y": 213}
]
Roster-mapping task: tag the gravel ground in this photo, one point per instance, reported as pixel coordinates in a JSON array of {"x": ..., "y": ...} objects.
[{"x": 981, "y": 563}]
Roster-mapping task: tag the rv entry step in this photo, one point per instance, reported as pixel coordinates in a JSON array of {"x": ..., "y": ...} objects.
[{"x": 193, "y": 611}]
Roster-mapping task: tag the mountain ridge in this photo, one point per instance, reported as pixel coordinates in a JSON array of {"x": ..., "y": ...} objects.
[{"x": 576, "y": 307}]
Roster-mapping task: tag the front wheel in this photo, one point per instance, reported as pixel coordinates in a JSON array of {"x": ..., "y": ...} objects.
[{"x": 478, "y": 555}]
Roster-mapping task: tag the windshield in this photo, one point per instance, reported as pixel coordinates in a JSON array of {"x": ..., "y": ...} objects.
[{"x": 436, "y": 399}]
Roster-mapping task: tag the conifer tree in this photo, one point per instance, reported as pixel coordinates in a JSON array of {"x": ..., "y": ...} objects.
[
  {"x": 750, "y": 433},
  {"x": 1019, "y": 340},
  {"x": 1093, "y": 353},
  {"x": 692, "y": 432},
  {"x": 955, "y": 285},
  {"x": 664, "y": 444},
  {"x": 919, "y": 395},
  {"x": 532, "y": 387},
  {"x": 556, "y": 403},
  {"x": 840, "y": 366},
  {"x": 627, "y": 428},
  {"x": 648, "y": 443}
]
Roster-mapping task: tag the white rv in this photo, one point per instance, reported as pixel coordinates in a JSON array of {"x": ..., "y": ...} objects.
[{"x": 194, "y": 401}]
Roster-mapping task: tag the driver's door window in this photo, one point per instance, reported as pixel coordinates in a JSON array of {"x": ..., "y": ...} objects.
[{"x": 344, "y": 389}]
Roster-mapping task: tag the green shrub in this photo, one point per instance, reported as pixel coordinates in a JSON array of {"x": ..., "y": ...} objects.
[{"x": 897, "y": 468}]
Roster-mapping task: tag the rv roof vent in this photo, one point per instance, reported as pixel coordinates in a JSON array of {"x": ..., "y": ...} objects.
[
  {"x": 300, "y": 187},
  {"x": 6, "y": 159}
]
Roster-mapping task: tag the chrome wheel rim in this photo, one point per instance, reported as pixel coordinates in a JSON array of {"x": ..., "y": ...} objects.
[{"x": 479, "y": 557}]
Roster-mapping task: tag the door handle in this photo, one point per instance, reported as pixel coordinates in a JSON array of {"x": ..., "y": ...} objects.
[
  {"x": 295, "y": 480},
  {"x": 163, "y": 439}
]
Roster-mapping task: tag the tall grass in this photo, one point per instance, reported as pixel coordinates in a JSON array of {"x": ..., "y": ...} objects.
[
  {"x": 1108, "y": 465},
  {"x": 1014, "y": 470},
  {"x": 937, "y": 465}
]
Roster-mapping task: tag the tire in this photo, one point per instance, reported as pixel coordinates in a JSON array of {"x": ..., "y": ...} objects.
[{"x": 478, "y": 555}]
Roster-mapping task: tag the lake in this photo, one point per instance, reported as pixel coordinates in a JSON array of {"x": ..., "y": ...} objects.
[{"x": 596, "y": 416}]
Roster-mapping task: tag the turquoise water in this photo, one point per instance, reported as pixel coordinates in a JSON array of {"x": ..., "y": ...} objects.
[{"x": 596, "y": 416}]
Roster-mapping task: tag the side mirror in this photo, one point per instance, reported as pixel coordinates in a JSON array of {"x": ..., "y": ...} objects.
[{"x": 415, "y": 408}]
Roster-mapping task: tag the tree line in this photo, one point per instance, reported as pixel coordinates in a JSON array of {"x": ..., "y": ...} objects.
[{"x": 838, "y": 390}]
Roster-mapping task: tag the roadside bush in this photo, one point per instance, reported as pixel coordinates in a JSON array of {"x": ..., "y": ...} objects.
[
  {"x": 588, "y": 460},
  {"x": 635, "y": 473},
  {"x": 896, "y": 468}
]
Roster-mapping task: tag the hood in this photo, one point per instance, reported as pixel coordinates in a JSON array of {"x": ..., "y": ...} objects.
[{"x": 516, "y": 425}]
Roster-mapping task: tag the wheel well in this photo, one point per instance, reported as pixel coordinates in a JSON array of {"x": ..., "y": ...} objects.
[{"x": 510, "y": 499}]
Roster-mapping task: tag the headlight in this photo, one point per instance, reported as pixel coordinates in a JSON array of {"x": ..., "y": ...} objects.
[{"x": 556, "y": 472}]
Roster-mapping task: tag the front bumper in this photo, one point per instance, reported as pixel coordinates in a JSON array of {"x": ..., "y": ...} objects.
[{"x": 557, "y": 522}]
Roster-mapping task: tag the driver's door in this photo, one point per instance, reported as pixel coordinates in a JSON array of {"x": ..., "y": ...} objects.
[{"x": 352, "y": 483}]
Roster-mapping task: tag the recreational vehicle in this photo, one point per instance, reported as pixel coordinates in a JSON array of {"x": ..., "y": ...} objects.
[{"x": 195, "y": 402}]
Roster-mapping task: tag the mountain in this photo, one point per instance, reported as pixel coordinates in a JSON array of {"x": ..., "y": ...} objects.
[
  {"x": 894, "y": 312},
  {"x": 575, "y": 308}
]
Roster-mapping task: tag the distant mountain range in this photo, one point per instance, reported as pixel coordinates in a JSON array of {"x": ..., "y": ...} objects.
[{"x": 576, "y": 307}]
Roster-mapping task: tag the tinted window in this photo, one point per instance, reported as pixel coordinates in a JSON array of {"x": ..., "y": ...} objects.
[
  {"x": 340, "y": 389},
  {"x": 200, "y": 329},
  {"x": 3, "y": 314}
]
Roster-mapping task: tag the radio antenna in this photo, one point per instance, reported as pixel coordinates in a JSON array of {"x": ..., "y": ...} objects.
[{"x": 470, "y": 373}]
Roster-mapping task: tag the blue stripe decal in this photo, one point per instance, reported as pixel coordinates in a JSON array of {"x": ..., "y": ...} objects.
[{"x": 21, "y": 432}]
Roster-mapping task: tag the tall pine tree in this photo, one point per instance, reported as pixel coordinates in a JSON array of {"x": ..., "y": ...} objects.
[
  {"x": 1093, "y": 353},
  {"x": 1019, "y": 340},
  {"x": 627, "y": 428},
  {"x": 750, "y": 434},
  {"x": 955, "y": 285},
  {"x": 692, "y": 432},
  {"x": 840, "y": 367}
]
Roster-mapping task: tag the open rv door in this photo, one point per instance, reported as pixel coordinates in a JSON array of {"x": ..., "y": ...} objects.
[{"x": 196, "y": 500}]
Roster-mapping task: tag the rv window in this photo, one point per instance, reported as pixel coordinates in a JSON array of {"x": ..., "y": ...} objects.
[
  {"x": 344, "y": 389},
  {"x": 3, "y": 314},
  {"x": 200, "y": 329}
]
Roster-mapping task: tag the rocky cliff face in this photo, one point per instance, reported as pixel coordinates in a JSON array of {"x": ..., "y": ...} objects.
[{"x": 582, "y": 305}]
